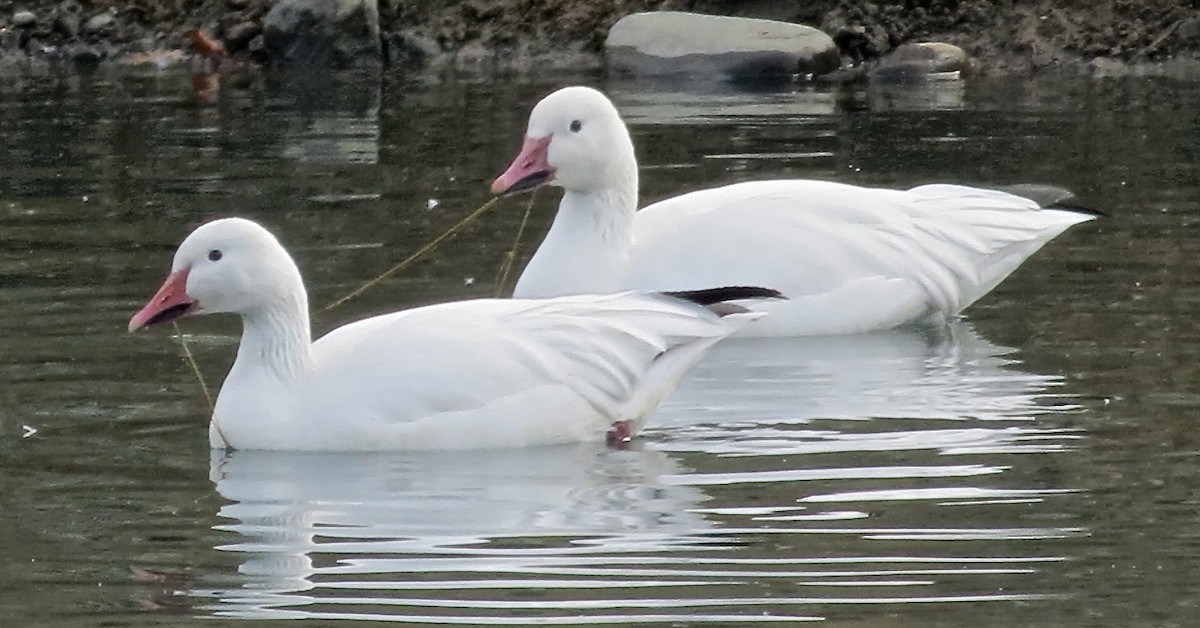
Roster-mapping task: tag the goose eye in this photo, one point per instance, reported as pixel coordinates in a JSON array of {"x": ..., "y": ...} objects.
[
  {"x": 576, "y": 125},
  {"x": 214, "y": 255}
]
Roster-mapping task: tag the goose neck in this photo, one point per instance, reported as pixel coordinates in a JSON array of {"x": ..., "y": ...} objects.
[
  {"x": 276, "y": 338},
  {"x": 607, "y": 213}
]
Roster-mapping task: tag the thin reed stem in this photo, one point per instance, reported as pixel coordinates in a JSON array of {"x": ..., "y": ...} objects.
[
  {"x": 191, "y": 360},
  {"x": 433, "y": 244},
  {"x": 510, "y": 258}
]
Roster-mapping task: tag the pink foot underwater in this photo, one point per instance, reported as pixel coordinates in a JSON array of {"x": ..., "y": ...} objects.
[{"x": 620, "y": 435}]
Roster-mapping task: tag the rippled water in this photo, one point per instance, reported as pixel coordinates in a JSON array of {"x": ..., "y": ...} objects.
[{"x": 1034, "y": 464}]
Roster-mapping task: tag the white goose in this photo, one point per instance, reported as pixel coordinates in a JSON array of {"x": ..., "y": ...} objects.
[
  {"x": 473, "y": 374},
  {"x": 848, "y": 258}
]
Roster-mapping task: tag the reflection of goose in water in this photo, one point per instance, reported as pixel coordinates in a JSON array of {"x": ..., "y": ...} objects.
[
  {"x": 372, "y": 521},
  {"x": 806, "y": 389},
  {"x": 818, "y": 480}
]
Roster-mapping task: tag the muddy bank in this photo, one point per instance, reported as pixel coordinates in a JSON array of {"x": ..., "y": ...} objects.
[
  {"x": 1016, "y": 36},
  {"x": 1025, "y": 36}
]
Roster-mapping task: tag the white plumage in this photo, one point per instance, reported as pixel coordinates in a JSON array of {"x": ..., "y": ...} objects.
[
  {"x": 473, "y": 374},
  {"x": 848, "y": 258}
]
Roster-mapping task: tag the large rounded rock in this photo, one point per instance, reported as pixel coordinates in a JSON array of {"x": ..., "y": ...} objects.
[
  {"x": 323, "y": 33},
  {"x": 100, "y": 23},
  {"x": 922, "y": 61},
  {"x": 735, "y": 48},
  {"x": 24, "y": 19}
]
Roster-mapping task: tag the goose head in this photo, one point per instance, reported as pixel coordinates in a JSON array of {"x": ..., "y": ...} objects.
[
  {"x": 229, "y": 265},
  {"x": 575, "y": 140}
]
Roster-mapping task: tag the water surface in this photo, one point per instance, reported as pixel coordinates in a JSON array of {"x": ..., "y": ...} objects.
[{"x": 1033, "y": 464}]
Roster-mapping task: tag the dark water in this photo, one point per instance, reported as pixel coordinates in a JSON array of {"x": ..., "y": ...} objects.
[{"x": 1034, "y": 464}]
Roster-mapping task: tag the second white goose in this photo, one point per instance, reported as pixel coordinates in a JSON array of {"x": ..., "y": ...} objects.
[{"x": 848, "y": 258}]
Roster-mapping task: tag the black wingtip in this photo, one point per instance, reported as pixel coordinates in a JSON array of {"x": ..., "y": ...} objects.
[
  {"x": 712, "y": 296},
  {"x": 1051, "y": 197},
  {"x": 1072, "y": 205}
]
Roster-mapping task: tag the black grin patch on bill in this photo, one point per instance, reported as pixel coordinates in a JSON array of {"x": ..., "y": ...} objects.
[
  {"x": 529, "y": 182},
  {"x": 171, "y": 313}
]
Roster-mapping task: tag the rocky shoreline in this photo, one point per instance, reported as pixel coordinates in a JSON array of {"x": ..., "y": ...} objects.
[{"x": 1159, "y": 37}]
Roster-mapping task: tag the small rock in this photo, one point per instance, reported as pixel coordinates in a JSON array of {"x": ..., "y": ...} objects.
[
  {"x": 99, "y": 22},
  {"x": 86, "y": 55},
  {"x": 735, "y": 48},
  {"x": 67, "y": 23},
  {"x": 1189, "y": 29},
  {"x": 237, "y": 5},
  {"x": 24, "y": 19},
  {"x": 257, "y": 49},
  {"x": 922, "y": 61},
  {"x": 239, "y": 35},
  {"x": 412, "y": 50},
  {"x": 474, "y": 57}
]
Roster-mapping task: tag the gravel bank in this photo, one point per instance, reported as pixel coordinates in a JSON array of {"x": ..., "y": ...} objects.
[{"x": 1017, "y": 36}]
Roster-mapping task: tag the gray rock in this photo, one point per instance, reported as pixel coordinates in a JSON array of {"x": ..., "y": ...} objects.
[
  {"x": 475, "y": 57},
  {"x": 412, "y": 50},
  {"x": 1189, "y": 29},
  {"x": 24, "y": 19},
  {"x": 239, "y": 35},
  {"x": 84, "y": 54},
  {"x": 67, "y": 19},
  {"x": 257, "y": 49},
  {"x": 323, "y": 33},
  {"x": 921, "y": 61},
  {"x": 99, "y": 22},
  {"x": 733, "y": 48},
  {"x": 67, "y": 25}
]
